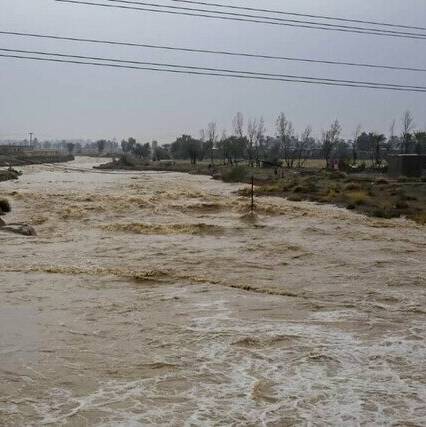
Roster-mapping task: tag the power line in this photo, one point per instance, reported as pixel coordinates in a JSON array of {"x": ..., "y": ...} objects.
[
  {"x": 215, "y": 52},
  {"x": 210, "y": 69},
  {"x": 212, "y": 74},
  {"x": 270, "y": 21},
  {"x": 245, "y": 15},
  {"x": 306, "y": 15}
]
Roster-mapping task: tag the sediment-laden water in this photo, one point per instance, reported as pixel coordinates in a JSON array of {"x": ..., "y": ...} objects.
[{"x": 154, "y": 299}]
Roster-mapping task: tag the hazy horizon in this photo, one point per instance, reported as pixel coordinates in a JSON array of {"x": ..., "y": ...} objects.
[{"x": 62, "y": 101}]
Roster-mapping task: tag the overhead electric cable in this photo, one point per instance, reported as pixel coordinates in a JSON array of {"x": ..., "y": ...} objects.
[
  {"x": 271, "y": 18},
  {"x": 219, "y": 70},
  {"x": 200, "y": 73},
  {"x": 240, "y": 18},
  {"x": 215, "y": 52},
  {"x": 306, "y": 15}
]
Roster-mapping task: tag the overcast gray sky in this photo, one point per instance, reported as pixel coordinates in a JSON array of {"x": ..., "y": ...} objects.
[{"x": 72, "y": 101}]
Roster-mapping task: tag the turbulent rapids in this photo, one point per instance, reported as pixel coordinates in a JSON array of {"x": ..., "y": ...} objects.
[{"x": 149, "y": 299}]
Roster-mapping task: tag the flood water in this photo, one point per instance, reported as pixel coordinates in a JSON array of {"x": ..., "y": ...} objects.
[{"x": 153, "y": 299}]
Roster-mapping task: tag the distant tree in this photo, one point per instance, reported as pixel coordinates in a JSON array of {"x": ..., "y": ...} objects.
[
  {"x": 357, "y": 133},
  {"x": 223, "y": 147},
  {"x": 285, "y": 134},
  {"x": 377, "y": 140},
  {"x": 233, "y": 148},
  {"x": 330, "y": 138},
  {"x": 343, "y": 150},
  {"x": 273, "y": 150},
  {"x": 420, "y": 140},
  {"x": 304, "y": 145},
  {"x": 210, "y": 136},
  {"x": 101, "y": 145},
  {"x": 372, "y": 143},
  {"x": 238, "y": 126},
  {"x": 161, "y": 153},
  {"x": 186, "y": 147},
  {"x": 260, "y": 141},
  {"x": 142, "y": 150},
  {"x": 407, "y": 128},
  {"x": 124, "y": 146},
  {"x": 128, "y": 145},
  {"x": 70, "y": 147},
  {"x": 252, "y": 126}
]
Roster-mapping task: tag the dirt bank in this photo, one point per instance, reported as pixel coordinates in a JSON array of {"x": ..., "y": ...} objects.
[{"x": 24, "y": 159}]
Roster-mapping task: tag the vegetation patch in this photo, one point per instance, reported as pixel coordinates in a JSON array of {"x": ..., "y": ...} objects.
[{"x": 236, "y": 174}]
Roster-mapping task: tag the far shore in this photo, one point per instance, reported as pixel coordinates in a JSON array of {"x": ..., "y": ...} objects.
[{"x": 372, "y": 194}]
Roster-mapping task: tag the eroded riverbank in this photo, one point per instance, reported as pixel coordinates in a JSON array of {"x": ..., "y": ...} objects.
[{"x": 148, "y": 298}]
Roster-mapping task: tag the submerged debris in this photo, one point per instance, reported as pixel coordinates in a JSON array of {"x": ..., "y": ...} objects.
[{"x": 23, "y": 229}]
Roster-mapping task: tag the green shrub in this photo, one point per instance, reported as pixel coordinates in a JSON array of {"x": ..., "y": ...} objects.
[
  {"x": 357, "y": 197},
  {"x": 384, "y": 213},
  {"x": 401, "y": 204},
  {"x": 236, "y": 174},
  {"x": 299, "y": 189},
  {"x": 352, "y": 187}
]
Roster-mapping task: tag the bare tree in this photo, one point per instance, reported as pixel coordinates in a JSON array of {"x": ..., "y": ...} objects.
[
  {"x": 251, "y": 137},
  {"x": 70, "y": 147},
  {"x": 100, "y": 146},
  {"x": 357, "y": 134},
  {"x": 407, "y": 128},
  {"x": 211, "y": 133},
  {"x": 330, "y": 139},
  {"x": 302, "y": 146},
  {"x": 285, "y": 133},
  {"x": 259, "y": 143},
  {"x": 238, "y": 125}
]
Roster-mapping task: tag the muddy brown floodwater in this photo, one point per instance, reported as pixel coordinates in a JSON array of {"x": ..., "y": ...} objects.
[{"x": 153, "y": 299}]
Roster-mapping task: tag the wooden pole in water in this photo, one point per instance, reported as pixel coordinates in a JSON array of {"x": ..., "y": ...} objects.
[{"x": 252, "y": 194}]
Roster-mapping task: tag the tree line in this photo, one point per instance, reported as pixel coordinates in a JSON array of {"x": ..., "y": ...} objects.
[{"x": 249, "y": 142}]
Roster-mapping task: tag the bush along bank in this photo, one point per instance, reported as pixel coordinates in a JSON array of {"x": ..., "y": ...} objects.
[{"x": 8, "y": 174}]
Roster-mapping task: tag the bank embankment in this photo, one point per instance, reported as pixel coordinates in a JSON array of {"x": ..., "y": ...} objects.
[{"x": 24, "y": 159}]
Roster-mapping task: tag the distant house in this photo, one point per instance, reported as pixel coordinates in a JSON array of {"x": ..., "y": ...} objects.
[{"x": 411, "y": 165}]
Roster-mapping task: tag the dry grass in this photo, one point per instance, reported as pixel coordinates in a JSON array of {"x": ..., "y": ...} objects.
[{"x": 357, "y": 197}]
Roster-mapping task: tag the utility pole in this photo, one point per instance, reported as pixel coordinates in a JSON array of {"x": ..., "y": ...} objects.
[{"x": 252, "y": 194}]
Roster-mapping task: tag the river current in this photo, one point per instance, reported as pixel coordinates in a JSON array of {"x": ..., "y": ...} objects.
[{"x": 155, "y": 299}]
